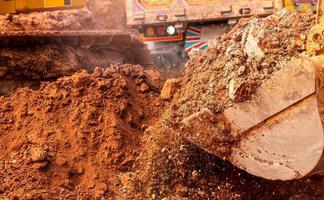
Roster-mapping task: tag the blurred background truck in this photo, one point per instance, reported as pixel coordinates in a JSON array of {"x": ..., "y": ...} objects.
[{"x": 173, "y": 27}]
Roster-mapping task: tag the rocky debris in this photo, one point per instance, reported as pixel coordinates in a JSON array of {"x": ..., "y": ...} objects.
[
  {"x": 233, "y": 69},
  {"x": 72, "y": 137},
  {"x": 204, "y": 125},
  {"x": 38, "y": 154},
  {"x": 169, "y": 88}
]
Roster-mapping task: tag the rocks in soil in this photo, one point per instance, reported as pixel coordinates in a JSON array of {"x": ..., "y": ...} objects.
[
  {"x": 38, "y": 154},
  {"x": 169, "y": 88}
]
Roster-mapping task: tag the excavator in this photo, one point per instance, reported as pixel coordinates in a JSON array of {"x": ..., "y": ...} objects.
[{"x": 281, "y": 128}]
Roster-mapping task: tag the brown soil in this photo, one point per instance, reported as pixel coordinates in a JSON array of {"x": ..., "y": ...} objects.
[
  {"x": 72, "y": 137},
  {"x": 38, "y": 63}
]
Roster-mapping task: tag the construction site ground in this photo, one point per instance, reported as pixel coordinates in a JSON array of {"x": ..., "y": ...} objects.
[{"x": 115, "y": 133}]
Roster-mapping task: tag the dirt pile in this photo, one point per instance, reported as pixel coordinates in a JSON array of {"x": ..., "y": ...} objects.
[
  {"x": 172, "y": 168},
  {"x": 233, "y": 69},
  {"x": 72, "y": 137}
]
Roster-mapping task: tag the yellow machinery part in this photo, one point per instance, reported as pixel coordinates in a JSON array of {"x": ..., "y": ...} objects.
[
  {"x": 60, "y": 3},
  {"x": 24, "y": 5},
  {"x": 55, "y": 3},
  {"x": 18, "y": 6},
  {"x": 301, "y": 7},
  {"x": 217, "y": 2},
  {"x": 156, "y": 3},
  {"x": 7, "y": 6}
]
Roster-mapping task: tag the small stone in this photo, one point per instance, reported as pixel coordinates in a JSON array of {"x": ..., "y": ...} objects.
[
  {"x": 3, "y": 72},
  {"x": 144, "y": 88},
  {"x": 38, "y": 154},
  {"x": 241, "y": 70},
  {"x": 299, "y": 42},
  {"x": 40, "y": 165},
  {"x": 100, "y": 189},
  {"x": 79, "y": 169},
  {"x": 252, "y": 48},
  {"x": 98, "y": 72},
  {"x": 231, "y": 89},
  {"x": 169, "y": 88}
]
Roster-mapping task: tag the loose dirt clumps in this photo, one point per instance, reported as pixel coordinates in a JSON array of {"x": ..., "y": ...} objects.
[
  {"x": 72, "y": 137},
  {"x": 232, "y": 70}
]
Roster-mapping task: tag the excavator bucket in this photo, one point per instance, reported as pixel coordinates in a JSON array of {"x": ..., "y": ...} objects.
[
  {"x": 280, "y": 128},
  {"x": 282, "y": 133}
]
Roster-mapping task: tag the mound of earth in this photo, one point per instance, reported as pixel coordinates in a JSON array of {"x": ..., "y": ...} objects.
[{"x": 72, "y": 137}]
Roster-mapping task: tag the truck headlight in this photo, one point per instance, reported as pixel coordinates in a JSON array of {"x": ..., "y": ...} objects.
[{"x": 171, "y": 30}]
